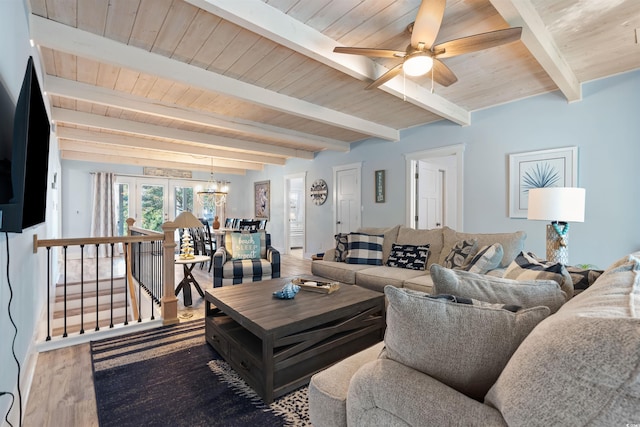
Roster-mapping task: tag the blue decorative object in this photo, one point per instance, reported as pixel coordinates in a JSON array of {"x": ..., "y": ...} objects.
[{"x": 288, "y": 291}]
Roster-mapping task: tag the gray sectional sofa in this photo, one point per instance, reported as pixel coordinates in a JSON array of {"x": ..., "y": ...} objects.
[
  {"x": 440, "y": 240},
  {"x": 579, "y": 366}
]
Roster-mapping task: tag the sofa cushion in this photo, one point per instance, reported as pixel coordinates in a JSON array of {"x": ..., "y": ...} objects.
[
  {"x": 328, "y": 388},
  {"x": 376, "y": 278},
  {"x": 580, "y": 366},
  {"x": 512, "y": 243},
  {"x": 487, "y": 258},
  {"x": 461, "y": 253},
  {"x": 433, "y": 238},
  {"x": 341, "y": 247},
  {"x": 364, "y": 249},
  {"x": 463, "y": 346},
  {"x": 340, "y": 271},
  {"x": 527, "y": 294},
  {"x": 411, "y": 257},
  {"x": 387, "y": 393},
  {"x": 422, "y": 283},
  {"x": 390, "y": 236},
  {"x": 239, "y": 268},
  {"x": 527, "y": 267}
]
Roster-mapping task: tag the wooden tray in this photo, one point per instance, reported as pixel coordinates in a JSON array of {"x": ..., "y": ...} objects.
[{"x": 316, "y": 286}]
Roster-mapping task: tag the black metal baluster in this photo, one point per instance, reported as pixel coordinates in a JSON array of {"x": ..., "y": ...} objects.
[
  {"x": 49, "y": 293},
  {"x": 97, "y": 288},
  {"x": 81, "y": 289},
  {"x": 111, "y": 309},
  {"x": 161, "y": 282},
  {"x": 153, "y": 281},
  {"x": 64, "y": 332},
  {"x": 139, "y": 299},
  {"x": 126, "y": 285}
]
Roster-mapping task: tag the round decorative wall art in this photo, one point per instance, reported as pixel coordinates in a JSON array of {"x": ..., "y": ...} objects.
[{"x": 319, "y": 191}]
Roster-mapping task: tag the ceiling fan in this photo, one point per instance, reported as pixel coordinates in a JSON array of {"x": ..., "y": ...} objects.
[{"x": 422, "y": 56}]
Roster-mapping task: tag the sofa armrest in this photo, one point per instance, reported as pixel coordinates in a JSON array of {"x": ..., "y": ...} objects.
[
  {"x": 329, "y": 255},
  {"x": 219, "y": 258},
  {"x": 385, "y": 392},
  {"x": 273, "y": 256}
]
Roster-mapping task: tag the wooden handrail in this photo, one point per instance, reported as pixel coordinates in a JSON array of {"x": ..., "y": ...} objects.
[{"x": 49, "y": 243}]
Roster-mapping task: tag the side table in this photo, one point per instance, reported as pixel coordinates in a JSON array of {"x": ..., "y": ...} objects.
[{"x": 188, "y": 280}]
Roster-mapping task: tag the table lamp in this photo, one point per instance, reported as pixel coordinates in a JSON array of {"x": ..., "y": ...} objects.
[
  {"x": 186, "y": 220},
  {"x": 560, "y": 205}
]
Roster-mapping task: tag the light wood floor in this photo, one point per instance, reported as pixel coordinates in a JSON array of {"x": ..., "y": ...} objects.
[{"x": 62, "y": 393}]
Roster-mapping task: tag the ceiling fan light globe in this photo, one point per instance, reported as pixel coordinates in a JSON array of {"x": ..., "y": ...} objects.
[{"x": 417, "y": 65}]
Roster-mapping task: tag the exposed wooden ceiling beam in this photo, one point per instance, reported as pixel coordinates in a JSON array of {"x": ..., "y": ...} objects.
[
  {"x": 228, "y": 148},
  {"x": 271, "y": 23},
  {"x": 538, "y": 40},
  {"x": 193, "y": 154},
  {"x": 111, "y": 98},
  {"x": 135, "y": 161},
  {"x": 54, "y": 35},
  {"x": 138, "y": 153}
]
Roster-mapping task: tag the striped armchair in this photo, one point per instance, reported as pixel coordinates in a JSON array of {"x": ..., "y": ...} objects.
[{"x": 245, "y": 256}]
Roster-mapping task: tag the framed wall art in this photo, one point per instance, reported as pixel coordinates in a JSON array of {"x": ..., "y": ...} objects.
[
  {"x": 379, "y": 186},
  {"x": 557, "y": 167},
  {"x": 262, "y": 199}
]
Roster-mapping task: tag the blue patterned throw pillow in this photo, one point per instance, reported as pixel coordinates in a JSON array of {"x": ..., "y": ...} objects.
[
  {"x": 364, "y": 249},
  {"x": 341, "y": 246},
  {"x": 411, "y": 257},
  {"x": 461, "y": 253}
]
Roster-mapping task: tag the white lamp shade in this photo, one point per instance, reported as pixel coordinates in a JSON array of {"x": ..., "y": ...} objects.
[
  {"x": 556, "y": 204},
  {"x": 187, "y": 220}
]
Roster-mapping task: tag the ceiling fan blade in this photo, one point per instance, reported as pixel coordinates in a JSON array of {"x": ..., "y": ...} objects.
[
  {"x": 477, "y": 42},
  {"x": 427, "y": 24},
  {"x": 442, "y": 74},
  {"x": 376, "y": 53},
  {"x": 386, "y": 77}
]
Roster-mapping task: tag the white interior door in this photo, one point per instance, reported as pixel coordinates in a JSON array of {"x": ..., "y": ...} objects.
[
  {"x": 347, "y": 198},
  {"x": 429, "y": 196}
]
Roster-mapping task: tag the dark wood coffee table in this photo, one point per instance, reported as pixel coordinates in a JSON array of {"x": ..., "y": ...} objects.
[{"x": 277, "y": 345}]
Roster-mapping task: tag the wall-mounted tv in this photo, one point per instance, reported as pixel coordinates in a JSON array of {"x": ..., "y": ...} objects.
[{"x": 26, "y": 191}]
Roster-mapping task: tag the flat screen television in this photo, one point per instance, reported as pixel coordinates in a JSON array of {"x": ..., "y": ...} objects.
[{"x": 25, "y": 194}]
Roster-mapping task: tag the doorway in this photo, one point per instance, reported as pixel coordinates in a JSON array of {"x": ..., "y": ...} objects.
[
  {"x": 442, "y": 176},
  {"x": 294, "y": 214}
]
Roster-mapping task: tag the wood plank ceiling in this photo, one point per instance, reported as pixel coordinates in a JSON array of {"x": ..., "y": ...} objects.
[{"x": 237, "y": 84}]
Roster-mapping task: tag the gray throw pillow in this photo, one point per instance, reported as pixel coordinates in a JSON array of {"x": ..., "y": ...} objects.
[
  {"x": 528, "y": 293},
  {"x": 463, "y": 346},
  {"x": 487, "y": 258}
]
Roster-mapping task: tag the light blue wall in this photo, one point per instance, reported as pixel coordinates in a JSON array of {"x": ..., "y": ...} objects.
[
  {"x": 27, "y": 271},
  {"x": 605, "y": 126}
]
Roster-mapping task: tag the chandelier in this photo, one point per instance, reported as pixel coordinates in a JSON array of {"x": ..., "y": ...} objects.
[{"x": 214, "y": 193}]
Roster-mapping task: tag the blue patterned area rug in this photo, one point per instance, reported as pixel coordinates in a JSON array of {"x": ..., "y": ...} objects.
[{"x": 170, "y": 376}]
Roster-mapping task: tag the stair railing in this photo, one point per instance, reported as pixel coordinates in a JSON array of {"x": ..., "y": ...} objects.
[{"x": 155, "y": 277}]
